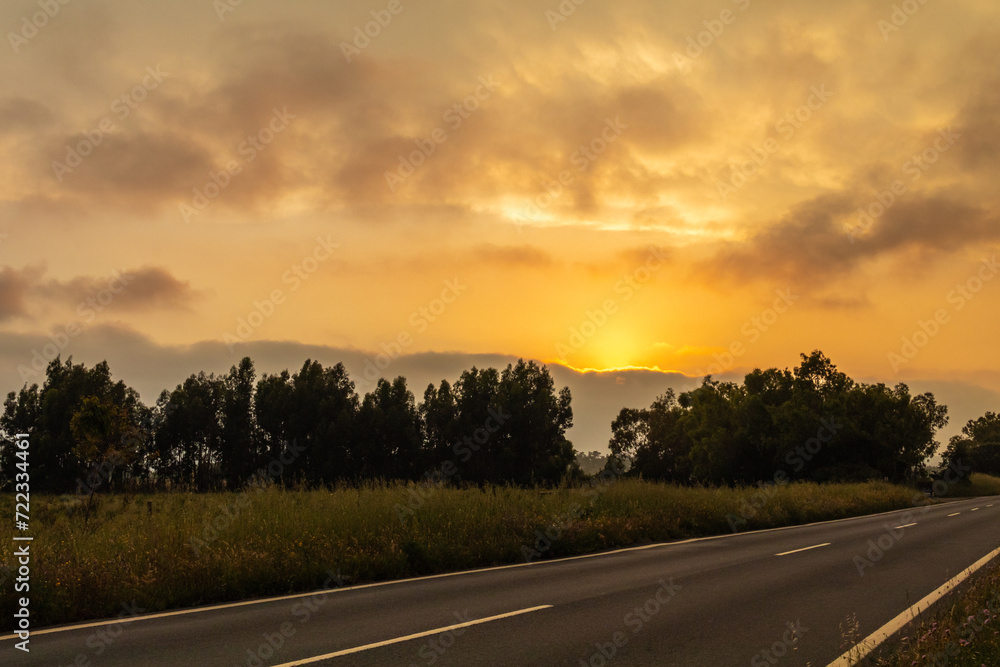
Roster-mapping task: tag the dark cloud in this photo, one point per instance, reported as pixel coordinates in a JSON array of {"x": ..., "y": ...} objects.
[
  {"x": 932, "y": 224},
  {"x": 840, "y": 302},
  {"x": 136, "y": 167},
  {"x": 154, "y": 287},
  {"x": 146, "y": 288},
  {"x": 521, "y": 256},
  {"x": 662, "y": 116},
  {"x": 825, "y": 237},
  {"x": 20, "y": 114},
  {"x": 14, "y": 290},
  {"x": 650, "y": 254},
  {"x": 363, "y": 116},
  {"x": 979, "y": 126}
]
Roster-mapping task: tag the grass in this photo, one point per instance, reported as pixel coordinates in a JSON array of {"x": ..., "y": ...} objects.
[
  {"x": 174, "y": 550},
  {"x": 978, "y": 485}
]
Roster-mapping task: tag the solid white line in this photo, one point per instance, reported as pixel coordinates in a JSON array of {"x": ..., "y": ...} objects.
[
  {"x": 795, "y": 551},
  {"x": 407, "y": 638},
  {"x": 905, "y": 525},
  {"x": 955, "y": 514},
  {"x": 393, "y": 582},
  {"x": 863, "y": 648}
]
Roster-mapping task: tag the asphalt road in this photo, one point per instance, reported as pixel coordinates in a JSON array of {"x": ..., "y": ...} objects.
[{"x": 766, "y": 598}]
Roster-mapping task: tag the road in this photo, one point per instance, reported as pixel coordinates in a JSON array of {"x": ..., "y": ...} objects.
[{"x": 777, "y": 597}]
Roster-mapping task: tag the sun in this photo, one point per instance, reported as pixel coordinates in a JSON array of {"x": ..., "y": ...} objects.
[{"x": 614, "y": 348}]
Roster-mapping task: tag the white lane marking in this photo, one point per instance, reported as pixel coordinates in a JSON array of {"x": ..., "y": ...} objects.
[
  {"x": 955, "y": 514},
  {"x": 393, "y": 582},
  {"x": 989, "y": 505},
  {"x": 905, "y": 525},
  {"x": 867, "y": 645},
  {"x": 973, "y": 509},
  {"x": 795, "y": 551},
  {"x": 407, "y": 638}
]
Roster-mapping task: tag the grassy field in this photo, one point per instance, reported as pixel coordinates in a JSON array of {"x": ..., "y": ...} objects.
[{"x": 172, "y": 550}]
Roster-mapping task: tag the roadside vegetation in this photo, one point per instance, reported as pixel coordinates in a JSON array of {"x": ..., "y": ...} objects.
[
  {"x": 977, "y": 485},
  {"x": 169, "y": 550},
  {"x": 961, "y": 630}
]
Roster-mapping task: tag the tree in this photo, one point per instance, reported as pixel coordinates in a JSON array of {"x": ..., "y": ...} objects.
[
  {"x": 390, "y": 437},
  {"x": 314, "y": 410},
  {"x": 591, "y": 463},
  {"x": 272, "y": 407},
  {"x": 652, "y": 443},
  {"x": 47, "y": 414},
  {"x": 106, "y": 438},
  {"x": 189, "y": 431},
  {"x": 531, "y": 445},
  {"x": 978, "y": 446},
  {"x": 817, "y": 373},
  {"x": 813, "y": 422},
  {"x": 240, "y": 448},
  {"x": 719, "y": 449},
  {"x": 478, "y": 431},
  {"x": 501, "y": 428},
  {"x": 440, "y": 416},
  {"x": 629, "y": 436},
  {"x": 21, "y": 414}
]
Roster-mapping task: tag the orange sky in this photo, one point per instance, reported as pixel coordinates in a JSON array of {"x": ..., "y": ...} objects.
[{"x": 629, "y": 184}]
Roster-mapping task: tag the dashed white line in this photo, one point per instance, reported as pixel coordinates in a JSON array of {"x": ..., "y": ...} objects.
[
  {"x": 905, "y": 525},
  {"x": 418, "y": 635},
  {"x": 795, "y": 551},
  {"x": 973, "y": 509},
  {"x": 955, "y": 514}
]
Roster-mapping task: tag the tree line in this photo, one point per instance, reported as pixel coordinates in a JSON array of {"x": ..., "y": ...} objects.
[
  {"x": 507, "y": 426},
  {"x": 978, "y": 446},
  {"x": 88, "y": 431},
  {"x": 813, "y": 422}
]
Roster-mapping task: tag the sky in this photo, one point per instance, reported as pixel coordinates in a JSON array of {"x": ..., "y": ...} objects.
[{"x": 634, "y": 193}]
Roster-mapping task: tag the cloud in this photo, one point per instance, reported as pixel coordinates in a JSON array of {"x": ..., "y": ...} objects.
[
  {"x": 655, "y": 184},
  {"x": 813, "y": 242},
  {"x": 137, "y": 167},
  {"x": 979, "y": 124},
  {"x": 14, "y": 290},
  {"x": 23, "y": 114},
  {"x": 153, "y": 287},
  {"x": 522, "y": 256},
  {"x": 354, "y": 121},
  {"x": 146, "y": 288}
]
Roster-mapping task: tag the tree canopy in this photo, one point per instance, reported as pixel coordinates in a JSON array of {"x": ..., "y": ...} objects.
[
  {"x": 813, "y": 422},
  {"x": 490, "y": 426},
  {"x": 503, "y": 427},
  {"x": 979, "y": 445}
]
